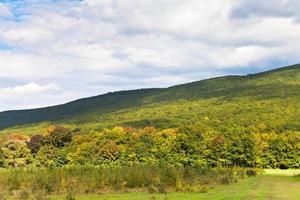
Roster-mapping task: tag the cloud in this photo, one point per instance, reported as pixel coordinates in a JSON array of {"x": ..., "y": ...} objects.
[
  {"x": 30, "y": 94},
  {"x": 29, "y": 89},
  {"x": 269, "y": 8},
  {"x": 26, "y": 35},
  {"x": 94, "y": 46},
  {"x": 4, "y": 11}
]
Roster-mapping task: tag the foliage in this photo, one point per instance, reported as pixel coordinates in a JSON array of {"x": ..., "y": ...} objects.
[
  {"x": 58, "y": 136},
  {"x": 194, "y": 146},
  {"x": 35, "y": 142},
  {"x": 14, "y": 152}
]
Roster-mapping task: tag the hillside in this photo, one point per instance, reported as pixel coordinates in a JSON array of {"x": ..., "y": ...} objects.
[
  {"x": 268, "y": 101},
  {"x": 246, "y": 121}
]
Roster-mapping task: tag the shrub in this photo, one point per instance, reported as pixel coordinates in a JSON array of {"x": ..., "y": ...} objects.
[
  {"x": 35, "y": 142},
  {"x": 251, "y": 172}
]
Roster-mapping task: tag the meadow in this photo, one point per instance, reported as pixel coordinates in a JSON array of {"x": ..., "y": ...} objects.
[
  {"x": 68, "y": 182},
  {"x": 110, "y": 183},
  {"x": 261, "y": 187}
]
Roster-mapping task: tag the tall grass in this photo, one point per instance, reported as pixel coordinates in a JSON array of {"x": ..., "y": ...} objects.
[{"x": 90, "y": 179}]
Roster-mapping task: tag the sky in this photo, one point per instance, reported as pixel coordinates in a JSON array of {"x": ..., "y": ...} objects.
[{"x": 55, "y": 51}]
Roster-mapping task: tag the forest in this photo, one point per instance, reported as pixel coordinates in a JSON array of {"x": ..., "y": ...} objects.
[{"x": 193, "y": 146}]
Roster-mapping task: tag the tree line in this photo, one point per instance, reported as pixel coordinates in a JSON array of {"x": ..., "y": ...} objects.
[{"x": 194, "y": 146}]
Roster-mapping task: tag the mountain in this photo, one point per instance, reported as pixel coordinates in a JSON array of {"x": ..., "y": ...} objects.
[{"x": 268, "y": 101}]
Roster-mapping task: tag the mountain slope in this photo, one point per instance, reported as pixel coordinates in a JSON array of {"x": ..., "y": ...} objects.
[{"x": 268, "y": 101}]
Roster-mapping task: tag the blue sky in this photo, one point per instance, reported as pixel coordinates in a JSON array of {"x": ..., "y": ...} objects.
[{"x": 54, "y": 51}]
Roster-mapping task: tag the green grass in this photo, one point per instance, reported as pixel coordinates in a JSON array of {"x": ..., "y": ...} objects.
[{"x": 274, "y": 184}]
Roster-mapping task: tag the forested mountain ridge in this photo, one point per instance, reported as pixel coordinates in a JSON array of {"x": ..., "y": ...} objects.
[
  {"x": 246, "y": 121},
  {"x": 268, "y": 101}
]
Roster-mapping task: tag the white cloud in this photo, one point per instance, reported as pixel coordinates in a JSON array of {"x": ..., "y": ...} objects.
[
  {"x": 29, "y": 89},
  {"x": 34, "y": 95},
  {"x": 97, "y": 46},
  {"x": 241, "y": 56},
  {"x": 4, "y": 11},
  {"x": 28, "y": 35}
]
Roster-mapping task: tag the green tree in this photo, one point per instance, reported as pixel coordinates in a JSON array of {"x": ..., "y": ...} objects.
[{"x": 58, "y": 136}]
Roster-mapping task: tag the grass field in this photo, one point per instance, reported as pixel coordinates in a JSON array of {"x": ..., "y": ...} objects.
[{"x": 274, "y": 184}]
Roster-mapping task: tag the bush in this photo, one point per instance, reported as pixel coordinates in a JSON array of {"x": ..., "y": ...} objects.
[
  {"x": 35, "y": 142},
  {"x": 251, "y": 172}
]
